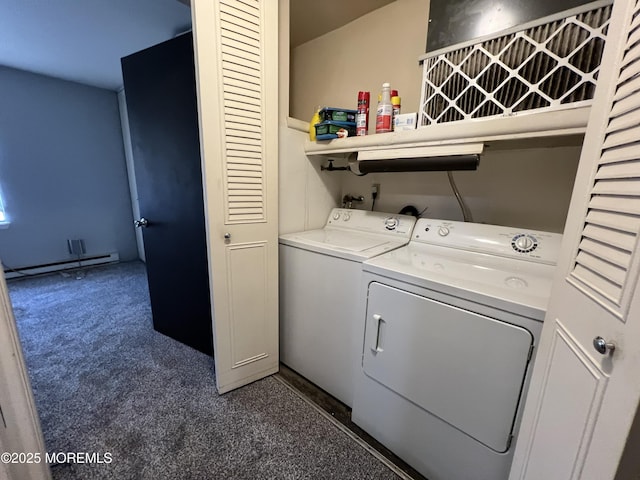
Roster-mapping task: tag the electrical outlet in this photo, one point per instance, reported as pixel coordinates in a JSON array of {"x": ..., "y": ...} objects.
[{"x": 375, "y": 189}]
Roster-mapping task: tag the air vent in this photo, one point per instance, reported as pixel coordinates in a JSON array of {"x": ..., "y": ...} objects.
[{"x": 549, "y": 64}]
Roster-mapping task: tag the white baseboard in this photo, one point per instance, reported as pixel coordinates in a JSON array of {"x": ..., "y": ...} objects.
[{"x": 64, "y": 265}]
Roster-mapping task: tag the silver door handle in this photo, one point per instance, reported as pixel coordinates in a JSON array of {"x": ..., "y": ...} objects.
[
  {"x": 602, "y": 346},
  {"x": 143, "y": 222},
  {"x": 227, "y": 236},
  {"x": 376, "y": 344}
]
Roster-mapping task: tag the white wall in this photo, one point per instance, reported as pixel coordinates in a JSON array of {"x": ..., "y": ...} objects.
[
  {"x": 305, "y": 195},
  {"x": 62, "y": 170}
]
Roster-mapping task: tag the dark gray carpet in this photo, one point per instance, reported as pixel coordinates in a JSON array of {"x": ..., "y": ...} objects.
[{"x": 104, "y": 381}]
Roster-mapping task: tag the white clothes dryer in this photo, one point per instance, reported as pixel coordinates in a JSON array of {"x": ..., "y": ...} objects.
[
  {"x": 320, "y": 277},
  {"x": 451, "y": 325}
]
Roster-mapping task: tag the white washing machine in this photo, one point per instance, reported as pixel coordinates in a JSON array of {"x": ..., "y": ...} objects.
[
  {"x": 320, "y": 277},
  {"x": 451, "y": 324}
]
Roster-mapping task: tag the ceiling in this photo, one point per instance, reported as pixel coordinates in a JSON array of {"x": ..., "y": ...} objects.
[
  {"x": 311, "y": 19},
  {"x": 83, "y": 41}
]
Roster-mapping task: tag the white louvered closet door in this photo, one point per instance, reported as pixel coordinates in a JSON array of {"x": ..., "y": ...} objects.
[
  {"x": 581, "y": 403},
  {"x": 236, "y": 70}
]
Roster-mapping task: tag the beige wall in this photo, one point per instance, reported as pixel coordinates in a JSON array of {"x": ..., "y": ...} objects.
[
  {"x": 523, "y": 188},
  {"x": 382, "y": 46}
]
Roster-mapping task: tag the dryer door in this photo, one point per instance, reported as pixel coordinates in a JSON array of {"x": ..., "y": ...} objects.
[{"x": 466, "y": 369}]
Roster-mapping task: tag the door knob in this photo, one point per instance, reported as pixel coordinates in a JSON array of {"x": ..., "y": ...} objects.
[
  {"x": 227, "y": 236},
  {"x": 143, "y": 222},
  {"x": 602, "y": 347}
]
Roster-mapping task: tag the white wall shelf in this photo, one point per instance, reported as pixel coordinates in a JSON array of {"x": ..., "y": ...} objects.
[{"x": 524, "y": 130}]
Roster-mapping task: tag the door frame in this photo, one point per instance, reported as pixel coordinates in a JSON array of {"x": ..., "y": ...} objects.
[{"x": 22, "y": 432}]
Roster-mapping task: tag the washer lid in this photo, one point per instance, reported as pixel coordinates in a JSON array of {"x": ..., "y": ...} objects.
[
  {"x": 518, "y": 286},
  {"x": 345, "y": 244}
]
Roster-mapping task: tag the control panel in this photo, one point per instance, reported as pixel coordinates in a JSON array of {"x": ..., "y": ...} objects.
[
  {"x": 373, "y": 222},
  {"x": 524, "y": 243},
  {"x": 537, "y": 246}
]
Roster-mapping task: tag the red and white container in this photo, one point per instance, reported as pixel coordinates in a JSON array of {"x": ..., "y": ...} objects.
[{"x": 362, "y": 114}]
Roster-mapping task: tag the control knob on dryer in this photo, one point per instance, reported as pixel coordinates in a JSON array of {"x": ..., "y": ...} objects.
[{"x": 524, "y": 243}]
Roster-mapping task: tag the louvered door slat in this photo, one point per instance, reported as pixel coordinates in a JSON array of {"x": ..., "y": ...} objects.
[
  {"x": 233, "y": 146},
  {"x": 244, "y": 161},
  {"x": 244, "y": 120},
  {"x": 626, "y": 105},
  {"x": 616, "y": 187},
  {"x": 635, "y": 23},
  {"x": 243, "y": 182},
  {"x": 623, "y": 137},
  {"x": 233, "y": 22},
  {"x": 623, "y": 122},
  {"x": 634, "y": 38},
  {"x": 237, "y": 172},
  {"x": 233, "y": 166},
  {"x": 233, "y": 64},
  {"x": 242, "y": 85},
  {"x": 621, "y": 154},
  {"x": 244, "y": 115},
  {"x": 236, "y": 126},
  {"x": 603, "y": 268},
  {"x": 244, "y": 187},
  {"x": 597, "y": 284},
  {"x": 618, "y": 239},
  {"x": 606, "y": 252},
  {"x": 233, "y": 160},
  {"x": 243, "y": 36},
  {"x": 619, "y": 170},
  {"x": 246, "y": 195},
  {"x": 234, "y": 58},
  {"x": 615, "y": 220},
  {"x": 248, "y": 9},
  {"x": 631, "y": 56},
  {"x": 249, "y": 108},
  {"x": 629, "y": 72},
  {"x": 244, "y": 154},
  {"x": 242, "y": 49},
  {"x": 246, "y": 134},
  {"x": 234, "y": 136},
  {"x": 243, "y": 30},
  {"x": 614, "y": 204},
  {"x": 244, "y": 98},
  {"x": 240, "y": 203},
  {"x": 245, "y": 211},
  {"x": 232, "y": 75}
]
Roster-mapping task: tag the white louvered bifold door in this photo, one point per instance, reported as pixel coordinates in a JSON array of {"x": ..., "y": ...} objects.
[
  {"x": 584, "y": 394},
  {"x": 240, "y": 35},
  {"x": 605, "y": 264},
  {"x": 237, "y": 63}
]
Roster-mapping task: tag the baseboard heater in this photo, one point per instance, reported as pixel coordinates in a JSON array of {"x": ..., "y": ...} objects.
[{"x": 63, "y": 265}]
